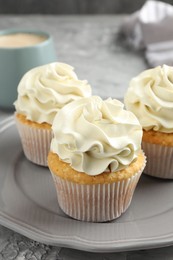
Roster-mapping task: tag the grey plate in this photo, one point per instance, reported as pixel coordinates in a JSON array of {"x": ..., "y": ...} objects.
[{"x": 29, "y": 206}]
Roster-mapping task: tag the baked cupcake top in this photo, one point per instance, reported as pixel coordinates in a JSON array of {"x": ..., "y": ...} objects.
[
  {"x": 95, "y": 136},
  {"x": 150, "y": 98},
  {"x": 44, "y": 90}
]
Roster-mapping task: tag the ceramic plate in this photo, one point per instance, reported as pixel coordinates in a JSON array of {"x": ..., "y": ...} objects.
[{"x": 29, "y": 206}]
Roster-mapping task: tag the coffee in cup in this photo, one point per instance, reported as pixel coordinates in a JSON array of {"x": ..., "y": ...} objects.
[{"x": 16, "y": 40}]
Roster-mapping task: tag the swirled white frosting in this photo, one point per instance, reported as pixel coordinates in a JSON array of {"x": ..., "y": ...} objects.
[
  {"x": 95, "y": 136},
  {"x": 150, "y": 98},
  {"x": 44, "y": 90}
]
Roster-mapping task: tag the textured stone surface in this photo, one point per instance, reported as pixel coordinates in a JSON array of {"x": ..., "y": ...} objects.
[{"x": 89, "y": 44}]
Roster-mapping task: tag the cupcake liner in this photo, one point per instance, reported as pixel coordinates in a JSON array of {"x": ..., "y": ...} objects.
[
  {"x": 35, "y": 142},
  {"x": 95, "y": 202},
  {"x": 159, "y": 160}
]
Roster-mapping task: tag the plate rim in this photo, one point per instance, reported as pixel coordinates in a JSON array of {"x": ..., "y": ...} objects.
[{"x": 76, "y": 242}]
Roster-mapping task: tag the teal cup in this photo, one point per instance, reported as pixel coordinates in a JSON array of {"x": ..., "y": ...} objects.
[{"x": 16, "y": 61}]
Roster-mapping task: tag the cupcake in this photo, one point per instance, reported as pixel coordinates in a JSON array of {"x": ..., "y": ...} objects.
[
  {"x": 95, "y": 158},
  {"x": 42, "y": 92},
  {"x": 150, "y": 98}
]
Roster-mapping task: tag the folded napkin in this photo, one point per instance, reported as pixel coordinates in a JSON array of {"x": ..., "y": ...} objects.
[{"x": 151, "y": 29}]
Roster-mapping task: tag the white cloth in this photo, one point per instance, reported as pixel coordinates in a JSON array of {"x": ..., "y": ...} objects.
[{"x": 151, "y": 28}]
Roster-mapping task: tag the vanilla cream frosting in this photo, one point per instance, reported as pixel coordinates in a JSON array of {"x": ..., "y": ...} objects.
[
  {"x": 44, "y": 90},
  {"x": 95, "y": 136},
  {"x": 150, "y": 98}
]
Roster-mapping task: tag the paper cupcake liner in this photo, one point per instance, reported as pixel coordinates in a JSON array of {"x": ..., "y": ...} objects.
[
  {"x": 95, "y": 202},
  {"x": 159, "y": 160},
  {"x": 35, "y": 142}
]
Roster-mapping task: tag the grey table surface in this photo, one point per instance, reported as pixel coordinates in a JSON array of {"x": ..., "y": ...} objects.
[{"x": 89, "y": 44}]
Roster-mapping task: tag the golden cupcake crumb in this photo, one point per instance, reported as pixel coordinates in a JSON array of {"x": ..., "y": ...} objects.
[
  {"x": 22, "y": 119},
  {"x": 64, "y": 170},
  {"x": 156, "y": 137}
]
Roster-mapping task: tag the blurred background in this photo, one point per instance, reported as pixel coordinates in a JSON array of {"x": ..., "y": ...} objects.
[{"x": 71, "y": 6}]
